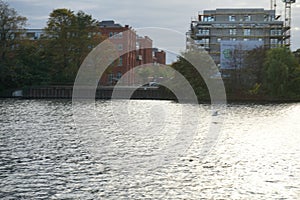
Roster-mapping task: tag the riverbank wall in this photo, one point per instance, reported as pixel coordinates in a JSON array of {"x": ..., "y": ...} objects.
[{"x": 105, "y": 92}]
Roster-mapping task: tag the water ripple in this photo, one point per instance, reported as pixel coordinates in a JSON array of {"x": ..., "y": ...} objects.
[{"x": 43, "y": 156}]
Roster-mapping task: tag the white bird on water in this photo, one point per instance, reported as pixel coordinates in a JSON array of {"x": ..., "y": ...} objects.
[{"x": 215, "y": 113}]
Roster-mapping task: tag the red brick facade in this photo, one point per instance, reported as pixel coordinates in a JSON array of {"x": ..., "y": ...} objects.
[
  {"x": 125, "y": 40},
  {"x": 144, "y": 45},
  {"x": 160, "y": 57},
  {"x": 133, "y": 50}
]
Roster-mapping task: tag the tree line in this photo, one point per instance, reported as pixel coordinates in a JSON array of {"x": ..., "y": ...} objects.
[
  {"x": 52, "y": 59},
  {"x": 264, "y": 74}
]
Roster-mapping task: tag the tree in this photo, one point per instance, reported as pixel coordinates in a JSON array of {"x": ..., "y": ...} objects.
[
  {"x": 254, "y": 64},
  {"x": 87, "y": 36},
  {"x": 235, "y": 61},
  {"x": 185, "y": 68},
  {"x": 60, "y": 30},
  {"x": 11, "y": 25},
  {"x": 281, "y": 73},
  {"x": 297, "y": 55},
  {"x": 32, "y": 61},
  {"x": 71, "y": 37},
  {"x": 156, "y": 73}
]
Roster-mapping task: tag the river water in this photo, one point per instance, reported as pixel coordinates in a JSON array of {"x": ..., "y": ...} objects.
[{"x": 45, "y": 155}]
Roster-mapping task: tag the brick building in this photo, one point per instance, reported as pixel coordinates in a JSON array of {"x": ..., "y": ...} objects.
[
  {"x": 144, "y": 50},
  {"x": 159, "y": 56},
  {"x": 133, "y": 50},
  {"x": 124, "y": 37}
]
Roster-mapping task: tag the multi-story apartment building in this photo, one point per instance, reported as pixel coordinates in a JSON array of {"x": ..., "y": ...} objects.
[
  {"x": 222, "y": 30},
  {"x": 159, "y": 57},
  {"x": 144, "y": 50},
  {"x": 134, "y": 51},
  {"x": 124, "y": 37}
]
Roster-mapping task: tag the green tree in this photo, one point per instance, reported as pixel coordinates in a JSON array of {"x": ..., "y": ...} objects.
[
  {"x": 87, "y": 36},
  {"x": 32, "y": 61},
  {"x": 71, "y": 37},
  {"x": 236, "y": 61},
  {"x": 60, "y": 30},
  {"x": 281, "y": 73},
  {"x": 185, "y": 68},
  {"x": 11, "y": 26},
  {"x": 254, "y": 64},
  {"x": 297, "y": 55}
]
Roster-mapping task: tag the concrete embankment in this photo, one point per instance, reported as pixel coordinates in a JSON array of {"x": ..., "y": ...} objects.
[{"x": 66, "y": 92}]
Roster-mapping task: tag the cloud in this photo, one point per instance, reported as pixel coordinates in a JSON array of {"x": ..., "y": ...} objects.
[
  {"x": 87, "y": 4},
  {"x": 296, "y": 29},
  {"x": 173, "y": 14}
]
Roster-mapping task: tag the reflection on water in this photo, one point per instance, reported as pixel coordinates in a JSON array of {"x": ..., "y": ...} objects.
[{"x": 43, "y": 156}]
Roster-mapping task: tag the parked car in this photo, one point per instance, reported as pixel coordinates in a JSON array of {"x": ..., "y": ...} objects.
[{"x": 151, "y": 84}]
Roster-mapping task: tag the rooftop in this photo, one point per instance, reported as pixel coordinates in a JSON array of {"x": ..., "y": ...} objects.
[{"x": 109, "y": 23}]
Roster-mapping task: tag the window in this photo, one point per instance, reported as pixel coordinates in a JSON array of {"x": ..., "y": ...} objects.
[
  {"x": 247, "y": 32},
  {"x": 120, "y": 62},
  {"x": 118, "y": 35},
  {"x": 110, "y": 78},
  {"x": 138, "y": 45},
  {"x": 275, "y": 32},
  {"x": 203, "y": 31},
  {"x": 232, "y": 31},
  {"x": 203, "y": 43},
  {"x": 247, "y": 18},
  {"x": 120, "y": 47},
  {"x": 274, "y": 43},
  {"x": 272, "y": 18},
  {"x": 119, "y": 75},
  {"x": 231, "y": 18},
  {"x": 269, "y": 18},
  {"x": 209, "y": 18}
]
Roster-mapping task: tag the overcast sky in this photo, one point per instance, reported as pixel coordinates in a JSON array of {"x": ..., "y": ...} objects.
[{"x": 169, "y": 14}]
